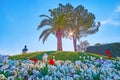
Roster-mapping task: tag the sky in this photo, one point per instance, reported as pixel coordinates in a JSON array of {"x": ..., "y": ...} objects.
[{"x": 19, "y": 20}]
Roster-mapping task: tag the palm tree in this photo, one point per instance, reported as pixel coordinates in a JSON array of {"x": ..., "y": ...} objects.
[
  {"x": 57, "y": 21},
  {"x": 82, "y": 24},
  {"x": 54, "y": 29},
  {"x": 45, "y": 33},
  {"x": 65, "y": 19}
]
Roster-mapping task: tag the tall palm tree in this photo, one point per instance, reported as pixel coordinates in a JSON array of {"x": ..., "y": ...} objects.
[
  {"x": 45, "y": 33},
  {"x": 57, "y": 21},
  {"x": 81, "y": 24},
  {"x": 55, "y": 29}
]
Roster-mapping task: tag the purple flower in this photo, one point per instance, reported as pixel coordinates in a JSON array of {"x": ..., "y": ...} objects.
[
  {"x": 103, "y": 61},
  {"x": 100, "y": 60}
]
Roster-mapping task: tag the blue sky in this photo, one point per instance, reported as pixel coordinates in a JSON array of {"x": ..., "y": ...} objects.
[{"x": 19, "y": 20}]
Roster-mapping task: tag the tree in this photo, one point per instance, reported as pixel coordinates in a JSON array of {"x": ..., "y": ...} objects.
[
  {"x": 66, "y": 19},
  {"x": 82, "y": 47},
  {"x": 82, "y": 24},
  {"x": 98, "y": 44},
  {"x": 57, "y": 21}
]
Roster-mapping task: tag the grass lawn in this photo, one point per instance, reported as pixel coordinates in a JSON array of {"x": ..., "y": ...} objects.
[{"x": 59, "y": 55}]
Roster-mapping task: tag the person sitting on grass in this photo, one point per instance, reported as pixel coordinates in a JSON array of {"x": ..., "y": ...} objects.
[{"x": 24, "y": 50}]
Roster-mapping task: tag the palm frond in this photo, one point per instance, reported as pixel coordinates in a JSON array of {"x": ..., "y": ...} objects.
[
  {"x": 44, "y": 16},
  {"x": 43, "y": 23},
  {"x": 46, "y": 36},
  {"x": 44, "y": 32}
]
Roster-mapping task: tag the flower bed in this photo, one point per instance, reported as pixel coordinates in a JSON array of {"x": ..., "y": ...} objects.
[{"x": 33, "y": 69}]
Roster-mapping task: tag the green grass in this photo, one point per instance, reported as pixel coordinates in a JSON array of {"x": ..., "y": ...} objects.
[{"x": 59, "y": 55}]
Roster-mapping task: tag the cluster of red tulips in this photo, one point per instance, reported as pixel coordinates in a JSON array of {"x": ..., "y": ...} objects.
[
  {"x": 34, "y": 59},
  {"x": 51, "y": 61},
  {"x": 108, "y": 53}
]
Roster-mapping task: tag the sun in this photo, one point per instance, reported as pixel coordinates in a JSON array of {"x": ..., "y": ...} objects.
[{"x": 70, "y": 33}]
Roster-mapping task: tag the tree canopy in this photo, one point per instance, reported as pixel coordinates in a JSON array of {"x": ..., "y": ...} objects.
[{"x": 66, "y": 19}]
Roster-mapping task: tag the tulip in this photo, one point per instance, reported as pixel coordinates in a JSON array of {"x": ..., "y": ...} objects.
[
  {"x": 35, "y": 60},
  {"x": 51, "y": 62},
  {"x": 107, "y": 52},
  {"x": 109, "y": 56}
]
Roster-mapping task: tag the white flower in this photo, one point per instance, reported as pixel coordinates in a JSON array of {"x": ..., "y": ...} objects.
[
  {"x": 15, "y": 72},
  {"x": 80, "y": 57},
  {"x": 45, "y": 56},
  {"x": 46, "y": 76},
  {"x": 88, "y": 57},
  {"x": 54, "y": 58},
  {"x": 38, "y": 66},
  {"x": 101, "y": 58},
  {"x": 11, "y": 78},
  {"x": 5, "y": 65},
  {"x": 31, "y": 66},
  {"x": 94, "y": 57},
  {"x": 67, "y": 62},
  {"x": 2, "y": 77},
  {"x": 73, "y": 70},
  {"x": 37, "y": 78},
  {"x": 77, "y": 62},
  {"x": 76, "y": 76},
  {"x": 83, "y": 57},
  {"x": 50, "y": 78},
  {"x": 30, "y": 78},
  {"x": 91, "y": 58},
  {"x": 85, "y": 66},
  {"x": 70, "y": 78}
]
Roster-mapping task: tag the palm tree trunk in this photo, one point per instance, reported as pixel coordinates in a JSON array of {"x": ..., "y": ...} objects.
[
  {"x": 59, "y": 39},
  {"x": 74, "y": 43}
]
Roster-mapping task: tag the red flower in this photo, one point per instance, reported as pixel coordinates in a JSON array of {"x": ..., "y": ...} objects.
[
  {"x": 51, "y": 62},
  {"x": 107, "y": 52},
  {"x": 109, "y": 56},
  {"x": 35, "y": 60}
]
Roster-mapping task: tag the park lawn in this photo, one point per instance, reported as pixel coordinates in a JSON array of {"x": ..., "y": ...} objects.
[{"x": 59, "y": 55}]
